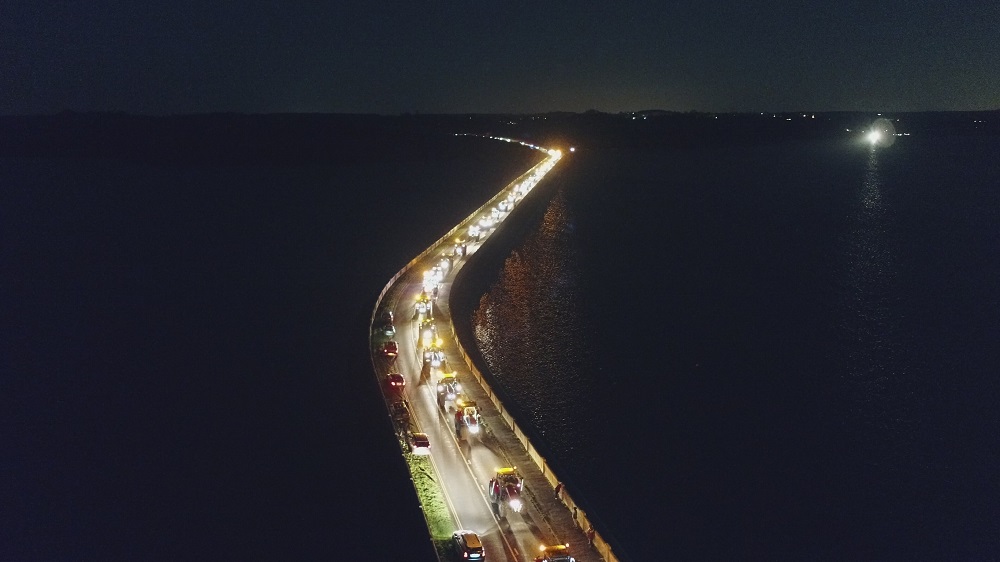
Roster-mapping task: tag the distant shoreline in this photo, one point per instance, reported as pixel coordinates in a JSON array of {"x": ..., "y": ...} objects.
[{"x": 307, "y": 138}]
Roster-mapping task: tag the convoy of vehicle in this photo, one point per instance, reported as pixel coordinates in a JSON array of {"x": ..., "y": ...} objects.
[{"x": 505, "y": 489}]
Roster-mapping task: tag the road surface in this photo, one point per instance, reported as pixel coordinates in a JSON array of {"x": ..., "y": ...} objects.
[{"x": 465, "y": 462}]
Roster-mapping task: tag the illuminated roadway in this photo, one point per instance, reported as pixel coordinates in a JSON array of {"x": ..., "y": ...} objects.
[{"x": 464, "y": 465}]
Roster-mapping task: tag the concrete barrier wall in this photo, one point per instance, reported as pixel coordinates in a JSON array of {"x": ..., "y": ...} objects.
[
  {"x": 602, "y": 547},
  {"x": 579, "y": 515}
]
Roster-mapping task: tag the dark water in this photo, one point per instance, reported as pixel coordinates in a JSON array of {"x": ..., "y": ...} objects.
[{"x": 784, "y": 352}]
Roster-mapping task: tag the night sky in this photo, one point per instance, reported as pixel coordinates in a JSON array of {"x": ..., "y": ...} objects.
[{"x": 491, "y": 57}]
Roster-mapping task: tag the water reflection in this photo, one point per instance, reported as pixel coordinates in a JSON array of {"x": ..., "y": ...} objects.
[
  {"x": 528, "y": 328},
  {"x": 871, "y": 194},
  {"x": 874, "y": 360}
]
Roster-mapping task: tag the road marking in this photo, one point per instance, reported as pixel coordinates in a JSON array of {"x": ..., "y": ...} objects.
[{"x": 468, "y": 467}]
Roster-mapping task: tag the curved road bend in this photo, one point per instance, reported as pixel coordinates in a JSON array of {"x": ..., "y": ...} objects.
[{"x": 464, "y": 465}]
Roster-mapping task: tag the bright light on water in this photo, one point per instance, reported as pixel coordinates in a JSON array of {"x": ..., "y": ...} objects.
[{"x": 882, "y": 133}]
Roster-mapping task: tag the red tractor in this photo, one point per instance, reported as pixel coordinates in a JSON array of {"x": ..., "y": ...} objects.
[
  {"x": 505, "y": 491},
  {"x": 467, "y": 416}
]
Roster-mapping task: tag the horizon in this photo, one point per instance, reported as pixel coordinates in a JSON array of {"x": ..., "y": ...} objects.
[{"x": 649, "y": 112}]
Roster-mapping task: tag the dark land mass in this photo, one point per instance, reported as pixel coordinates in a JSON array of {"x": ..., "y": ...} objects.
[
  {"x": 603, "y": 131},
  {"x": 293, "y": 139}
]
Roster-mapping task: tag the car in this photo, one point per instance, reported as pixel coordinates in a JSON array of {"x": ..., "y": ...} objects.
[
  {"x": 555, "y": 553},
  {"x": 420, "y": 444},
  {"x": 388, "y": 330},
  {"x": 395, "y": 382},
  {"x": 400, "y": 411},
  {"x": 385, "y": 318},
  {"x": 467, "y": 546},
  {"x": 390, "y": 349}
]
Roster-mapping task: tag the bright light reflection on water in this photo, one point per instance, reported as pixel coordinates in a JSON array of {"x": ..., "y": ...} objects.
[{"x": 875, "y": 362}]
